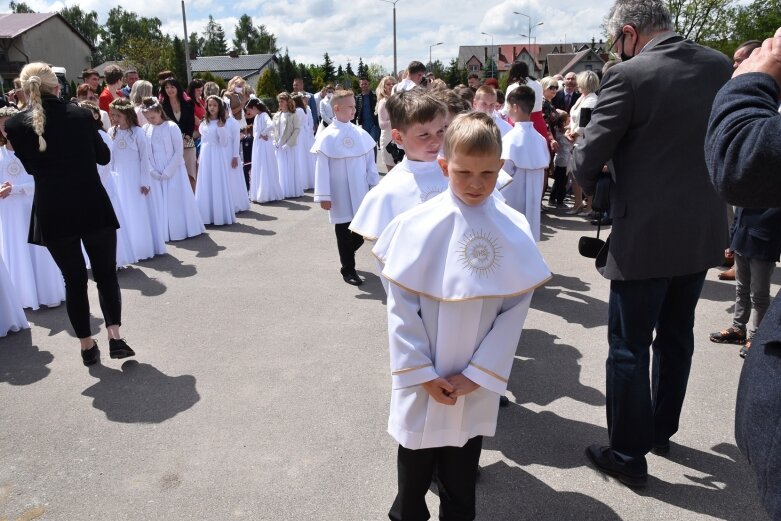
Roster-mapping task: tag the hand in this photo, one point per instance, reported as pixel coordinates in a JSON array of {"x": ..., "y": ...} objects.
[
  {"x": 264, "y": 138},
  {"x": 145, "y": 190},
  {"x": 554, "y": 145},
  {"x": 235, "y": 162},
  {"x": 461, "y": 385},
  {"x": 439, "y": 389},
  {"x": 729, "y": 254},
  {"x": 5, "y": 190},
  {"x": 766, "y": 59},
  {"x": 325, "y": 205}
]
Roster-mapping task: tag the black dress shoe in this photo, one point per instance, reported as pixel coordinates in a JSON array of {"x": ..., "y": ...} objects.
[
  {"x": 90, "y": 356},
  {"x": 661, "y": 449},
  {"x": 605, "y": 461},
  {"x": 353, "y": 279},
  {"x": 118, "y": 348},
  {"x": 504, "y": 401}
]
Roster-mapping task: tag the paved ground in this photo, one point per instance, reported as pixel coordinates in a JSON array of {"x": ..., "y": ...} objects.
[{"x": 260, "y": 391}]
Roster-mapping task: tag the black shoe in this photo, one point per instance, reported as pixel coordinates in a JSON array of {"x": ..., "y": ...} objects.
[
  {"x": 353, "y": 279},
  {"x": 731, "y": 335},
  {"x": 744, "y": 350},
  {"x": 504, "y": 401},
  {"x": 118, "y": 348},
  {"x": 91, "y": 356},
  {"x": 604, "y": 460},
  {"x": 661, "y": 449}
]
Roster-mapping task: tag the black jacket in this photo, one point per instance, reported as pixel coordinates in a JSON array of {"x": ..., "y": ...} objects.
[
  {"x": 69, "y": 200},
  {"x": 186, "y": 121},
  {"x": 360, "y": 99},
  {"x": 558, "y": 100},
  {"x": 757, "y": 233},
  {"x": 743, "y": 151}
]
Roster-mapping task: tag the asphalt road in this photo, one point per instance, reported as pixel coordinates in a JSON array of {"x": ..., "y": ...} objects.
[{"x": 261, "y": 385}]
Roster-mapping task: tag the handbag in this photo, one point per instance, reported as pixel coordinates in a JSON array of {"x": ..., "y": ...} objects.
[{"x": 396, "y": 153}]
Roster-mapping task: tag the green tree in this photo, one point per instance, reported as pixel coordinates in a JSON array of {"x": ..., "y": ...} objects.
[
  {"x": 195, "y": 44},
  {"x": 288, "y": 70},
  {"x": 756, "y": 21},
  {"x": 87, "y": 24},
  {"x": 438, "y": 68},
  {"x": 214, "y": 39},
  {"x": 329, "y": 74},
  {"x": 208, "y": 76},
  {"x": 19, "y": 7},
  {"x": 178, "y": 63},
  {"x": 700, "y": 20},
  {"x": 339, "y": 73},
  {"x": 490, "y": 70},
  {"x": 269, "y": 84},
  {"x": 150, "y": 55},
  {"x": 349, "y": 70},
  {"x": 454, "y": 75},
  {"x": 375, "y": 72},
  {"x": 362, "y": 69},
  {"x": 122, "y": 26},
  {"x": 253, "y": 40},
  {"x": 302, "y": 71}
]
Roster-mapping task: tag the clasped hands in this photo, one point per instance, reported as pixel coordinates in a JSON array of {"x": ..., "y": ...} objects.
[
  {"x": 5, "y": 190},
  {"x": 447, "y": 390},
  {"x": 766, "y": 59}
]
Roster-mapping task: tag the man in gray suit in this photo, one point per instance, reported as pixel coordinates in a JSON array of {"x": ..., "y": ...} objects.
[{"x": 669, "y": 225}]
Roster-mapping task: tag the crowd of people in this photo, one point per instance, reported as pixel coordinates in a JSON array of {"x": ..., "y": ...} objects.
[{"x": 454, "y": 223}]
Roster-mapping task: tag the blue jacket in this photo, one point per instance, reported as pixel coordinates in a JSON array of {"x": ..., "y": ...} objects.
[
  {"x": 743, "y": 152},
  {"x": 757, "y": 233}
]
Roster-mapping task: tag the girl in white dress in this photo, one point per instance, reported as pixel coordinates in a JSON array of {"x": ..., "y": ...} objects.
[
  {"x": 264, "y": 174},
  {"x": 37, "y": 279},
  {"x": 125, "y": 253},
  {"x": 130, "y": 161},
  {"x": 305, "y": 159},
  {"x": 238, "y": 184},
  {"x": 178, "y": 212},
  {"x": 11, "y": 313},
  {"x": 286, "y": 130},
  {"x": 213, "y": 189}
]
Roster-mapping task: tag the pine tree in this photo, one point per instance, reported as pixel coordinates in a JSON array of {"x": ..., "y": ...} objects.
[
  {"x": 214, "y": 39},
  {"x": 339, "y": 73},
  {"x": 195, "y": 44},
  {"x": 349, "y": 69},
  {"x": 328, "y": 68},
  {"x": 363, "y": 71},
  {"x": 179, "y": 65}
]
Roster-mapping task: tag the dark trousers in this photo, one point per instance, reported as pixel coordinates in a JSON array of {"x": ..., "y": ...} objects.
[
  {"x": 456, "y": 469},
  {"x": 559, "y": 189},
  {"x": 101, "y": 247},
  {"x": 348, "y": 243},
  {"x": 643, "y": 413}
]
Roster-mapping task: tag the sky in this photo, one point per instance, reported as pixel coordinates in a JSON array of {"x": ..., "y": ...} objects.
[{"x": 364, "y": 28}]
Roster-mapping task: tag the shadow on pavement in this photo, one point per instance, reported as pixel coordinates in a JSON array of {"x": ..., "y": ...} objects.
[
  {"x": 21, "y": 362},
  {"x": 252, "y": 214},
  {"x": 238, "y": 227},
  {"x": 56, "y": 319},
  {"x": 170, "y": 264},
  {"x": 505, "y": 492},
  {"x": 576, "y": 308},
  {"x": 292, "y": 204},
  {"x": 544, "y": 361},
  {"x": 135, "y": 279},
  {"x": 140, "y": 393},
  {"x": 718, "y": 291},
  {"x": 203, "y": 245},
  {"x": 371, "y": 287}
]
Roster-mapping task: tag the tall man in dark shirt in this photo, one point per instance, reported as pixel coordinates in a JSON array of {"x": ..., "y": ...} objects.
[{"x": 364, "y": 110}]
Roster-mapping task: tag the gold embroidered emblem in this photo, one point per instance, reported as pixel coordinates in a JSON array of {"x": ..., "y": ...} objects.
[
  {"x": 122, "y": 144},
  {"x": 348, "y": 142},
  {"x": 14, "y": 168},
  {"x": 428, "y": 193},
  {"x": 479, "y": 253}
]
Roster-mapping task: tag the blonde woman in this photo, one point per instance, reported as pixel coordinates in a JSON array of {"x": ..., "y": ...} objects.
[
  {"x": 580, "y": 115},
  {"x": 383, "y": 92},
  {"x": 141, "y": 89},
  {"x": 64, "y": 166}
]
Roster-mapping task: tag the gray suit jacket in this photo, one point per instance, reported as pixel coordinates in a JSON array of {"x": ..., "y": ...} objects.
[{"x": 651, "y": 119}]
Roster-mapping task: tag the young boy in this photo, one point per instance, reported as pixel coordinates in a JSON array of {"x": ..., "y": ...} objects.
[
  {"x": 462, "y": 270},
  {"x": 345, "y": 170},
  {"x": 413, "y": 76},
  {"x": 526, "y": 156},
  {"x": 485, "y": 102},
  {"x": 418, "y": 122}
]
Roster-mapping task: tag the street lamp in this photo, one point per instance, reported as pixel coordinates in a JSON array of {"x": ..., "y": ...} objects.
[
  {"x": 492, "y": 52},
  {"x": 395, "y": 66},
  {"x": 528, "y": 35},
  {"x": 430, "y": 67}
]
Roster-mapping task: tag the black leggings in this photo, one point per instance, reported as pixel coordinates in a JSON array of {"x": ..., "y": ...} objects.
[{"x": 101, "y": 248}]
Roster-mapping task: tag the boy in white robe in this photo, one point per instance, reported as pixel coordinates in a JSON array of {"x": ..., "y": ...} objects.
[
  {"x": 485, "y": 102},
  {"x": 462, "y": 269},
  {"x": 345, "y": 170},
  {"x": 526, "y": 156}
]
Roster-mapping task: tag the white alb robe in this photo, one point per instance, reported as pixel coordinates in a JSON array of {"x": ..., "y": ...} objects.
[
  {"x": 461, "y": 280},
  {"x": 345, "y": 169},
  {"x": 526, "y": 156},
  {"x": 239, "y": 193},
  {"x": 11, "y": 313},
  {"x": 178, "y": 211},
  {"x": 504, "y": 127}
]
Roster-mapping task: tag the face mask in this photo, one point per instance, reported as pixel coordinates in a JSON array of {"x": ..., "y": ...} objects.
[
  {"x": 329, "y": 95},
  {"x": 238, "y": 90},
  {"x": 625, "y": 57}
]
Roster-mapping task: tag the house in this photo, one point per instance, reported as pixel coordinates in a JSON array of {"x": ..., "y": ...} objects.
[
  {"x": 45, "y": 37},
  {"x": 248, "y": 66},
  {"x": 585, "y": 60}
]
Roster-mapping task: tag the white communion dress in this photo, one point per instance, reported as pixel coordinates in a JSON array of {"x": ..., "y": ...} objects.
[
  {"x": 11, "y": 313},
  {"x": 213, "y": 189},
  {"x": 264, "y": 174}
]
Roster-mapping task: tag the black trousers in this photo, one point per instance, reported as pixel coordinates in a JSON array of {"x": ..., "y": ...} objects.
[
  {"x": 101, "y": 248},
  {"x": 559, "y": 189},
  {"x": 348, "y": 243},
  {"x": 456, "y": 469}
]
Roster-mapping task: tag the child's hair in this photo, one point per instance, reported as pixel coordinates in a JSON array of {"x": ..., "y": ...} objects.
[
  {"x": 485, "y": 90},
  {"x": 465, "y": 92},
  {"x": 523, "y": 96},
  {"x": 455, "y": 104},
  {"x": 220, "y": 109},
  {"x": 152, "y": 104},
  {"x": 415, "y": 66},
  {"x": 195, "y": 84},
  {"x": 6, "y": 112},
  {"x": 299, "y": 101},
  {"x": 473, "y": 134},
  {"x": 179, "y": 90},
  {"x": 113, "y": 74},
  {"x": 211, "y": 89},
  {"x": 559, "y": 120},
  {"x": 412, "y": 107},
  {"x": 492, "y": 82},
  {"x": 499, "y": 96},
  {"x": 518, "y": 73},
  {"x": 95, "y": 113},
  {"x": 126, "y": 108},
  {"x": 141, "y": 89},
  {"x": 258, "y": 105},
  {"x": 83, "y": 90},
  {"x": 438, "y": 84},
  {"x": 339, "y": 95},
  {"x": 86, "y": 73},
  {"x": 38, "y": 78},
  {"x": 289, "y": 103}
]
